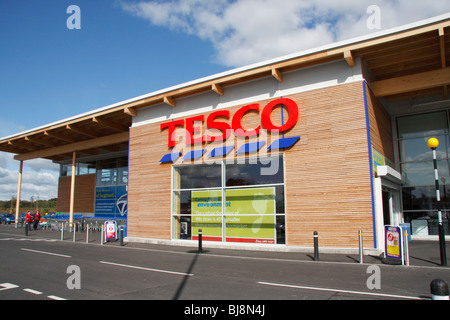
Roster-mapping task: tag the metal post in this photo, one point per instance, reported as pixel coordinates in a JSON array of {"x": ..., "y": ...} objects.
[
  {"x": 361, "y": 249},
  {"x": 439, "y": 290},
  {"x": 438, "y": 198},
  {"x": 26, "y": 229},
  {"x": 316, "y": 246},
  {"x": 19, "y": 189},
  {"x": 87, "y": 233},
  {"x": 405, "y": 241},
  {"x": 200, "y": 249},
  {"x": 101, "y": 236},
  {"x": 62, "y": 231},
  {"x": 121, "y": 236},
  {"x": 74, "y": 233}
]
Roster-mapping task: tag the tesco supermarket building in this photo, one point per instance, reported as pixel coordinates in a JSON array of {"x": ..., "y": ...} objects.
[{"x": 331, "y": 140}]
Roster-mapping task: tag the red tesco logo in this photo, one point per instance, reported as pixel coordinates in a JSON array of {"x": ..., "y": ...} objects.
[{"x": 213, "y": 123}]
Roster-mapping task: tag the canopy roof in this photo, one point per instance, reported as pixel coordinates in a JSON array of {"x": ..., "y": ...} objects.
[{"x": 402, "y": 63}]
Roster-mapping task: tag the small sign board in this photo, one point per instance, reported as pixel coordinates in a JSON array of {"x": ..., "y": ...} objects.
[
  {"x": 110, "y": 231},
  {"x": 393, "y": 242}
]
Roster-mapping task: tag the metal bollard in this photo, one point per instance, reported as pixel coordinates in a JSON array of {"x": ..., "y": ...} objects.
[
  {"x": 200, "y": 240},
  {"x": 439, "y": 290},
  {"x": 405, "y": 241},
  {"x": 62, "y": 231},
  {"x": 361, "y": 249},
  {"x": 26, "y": 229},
  {"x": 316, "y": 246},
  {"x": 442, "y": 249},
  {"x": 74, "y": 233},
  {"x": 101, "y": 236},
  {"x": 87, "y": 233},
  {"x": 121, "y": 236}
]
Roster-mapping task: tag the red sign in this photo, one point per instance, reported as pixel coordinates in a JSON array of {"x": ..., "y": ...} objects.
[{"x": 213, "y": 122}]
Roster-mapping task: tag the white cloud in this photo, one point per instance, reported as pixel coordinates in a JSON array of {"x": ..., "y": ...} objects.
[
  {"x": 248, "y": 31},
  {"x": 39, "y": 179}
]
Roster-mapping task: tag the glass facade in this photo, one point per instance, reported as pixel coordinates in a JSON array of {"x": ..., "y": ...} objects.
[
  {"x": 416, "y": 164},
  {"x": 111, "y": 182},
  {"x": 81, "y": 169},
  {"x": 242, "y": 201}
]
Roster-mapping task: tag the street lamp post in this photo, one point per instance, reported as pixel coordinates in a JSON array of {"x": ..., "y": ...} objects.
[{"x": 432, "y": 144}]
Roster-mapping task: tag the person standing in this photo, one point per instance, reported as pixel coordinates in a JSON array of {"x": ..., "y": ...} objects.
[
  {"x": 28, "y": 219},
  {"x": 37, "y": 217}
]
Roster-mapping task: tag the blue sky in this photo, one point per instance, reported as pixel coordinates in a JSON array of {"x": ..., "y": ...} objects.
[{"x": 126, "y": 48}]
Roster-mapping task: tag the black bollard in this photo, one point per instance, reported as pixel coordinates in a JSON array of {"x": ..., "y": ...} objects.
[
  {"x": 121, "y": 236},
  {"x": 442, "y": 249},
  {"x": 316, "y": 246},
  {"x": 200, "y": 249},
  {"x": 26, "y": 229},
  {"x": 439, "y": 290}
]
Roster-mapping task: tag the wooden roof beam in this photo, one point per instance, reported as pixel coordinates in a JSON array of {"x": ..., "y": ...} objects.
[
  {"x": 419, "y": 81},
  {"x": 20, "y": 145},
  {"x": 39, "y": 141},
  {"x": 77, "y": 146},
  {"x": 276, "y": 73},
  {"x": 59, "y": 136},
  {"x": 217, "y": 88},
  {"x": 443, "y": 57},
  {"x": 348, "y": 56},
  {"x": 170, "y": 101},
  {"x": 87, "y": 132},
  {"x": 442, "y": 47},
  {"x": 130, "y": 111},
  {"x": 110, "y": 124}
]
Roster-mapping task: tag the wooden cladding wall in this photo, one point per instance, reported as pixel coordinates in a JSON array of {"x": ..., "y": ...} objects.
[
  {"x": 380, "y": 126},
  {"x": 327, "y": 173},
  {"x": 84, "y": 194},
  {"x": 328, "y": 183}
]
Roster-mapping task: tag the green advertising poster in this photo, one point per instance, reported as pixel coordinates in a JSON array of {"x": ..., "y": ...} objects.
[
  {"x": 250, "y": 215},
  {"x": 207, "y": 204}
]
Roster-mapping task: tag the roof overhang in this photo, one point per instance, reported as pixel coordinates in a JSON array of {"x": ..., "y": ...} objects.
[{"x": 405, "y": 62}]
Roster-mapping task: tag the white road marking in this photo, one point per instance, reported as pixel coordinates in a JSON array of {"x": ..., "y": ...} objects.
[
  {"x": 55, "y": 298},
  {"x": 48, "y": 253},
  {"x": 147, "y": 269},
  {"x": 342, "y": 291},
  {"x": 28, "y": 239},
  {"x": 32, "y": 291},
  {"x": 7, "y": 286}
]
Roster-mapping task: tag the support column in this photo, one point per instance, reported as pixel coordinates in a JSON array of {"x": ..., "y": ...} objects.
[
  {"x": 19, "y": 190},
  {"x": 72, "y": 189}
]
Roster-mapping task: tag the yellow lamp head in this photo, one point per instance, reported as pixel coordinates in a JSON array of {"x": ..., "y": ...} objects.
[{"x": 432, "y": 143}]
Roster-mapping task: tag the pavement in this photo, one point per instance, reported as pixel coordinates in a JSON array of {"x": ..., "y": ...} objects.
[
  {"x": 39, "y": 266},
  {"x": 421, "y": 253}
]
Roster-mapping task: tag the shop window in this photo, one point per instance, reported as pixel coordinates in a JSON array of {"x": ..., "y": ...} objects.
[
  {"x": 230, "y": 202},
  {"x": 81, "y": 169},
  {"x": 416, "y": 164},
  {"x": 199, "y": 176},
  {"x": 250, "y": 173},
  {"x": 422, "y": 125}
]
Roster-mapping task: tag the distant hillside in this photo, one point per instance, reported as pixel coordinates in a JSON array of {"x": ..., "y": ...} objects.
[{"x": 43, "y": 206}]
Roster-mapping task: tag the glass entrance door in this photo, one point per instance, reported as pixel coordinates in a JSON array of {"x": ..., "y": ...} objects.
[{"x": 391, "y": 207}]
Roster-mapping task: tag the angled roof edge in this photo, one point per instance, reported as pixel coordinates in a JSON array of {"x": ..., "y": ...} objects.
[{"x": 336, "y": 45}]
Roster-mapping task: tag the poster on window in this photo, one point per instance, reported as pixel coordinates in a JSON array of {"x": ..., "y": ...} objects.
[
  {"x": 111, "y": 201},
  {"x": 250, "y": 215}
]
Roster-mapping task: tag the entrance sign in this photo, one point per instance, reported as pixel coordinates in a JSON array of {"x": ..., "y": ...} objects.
[
  {"x": 250, "y": 215},
  {"x": 393, "y": 242},
  {"x": 110, "y": 230}
]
